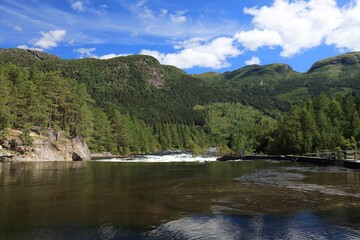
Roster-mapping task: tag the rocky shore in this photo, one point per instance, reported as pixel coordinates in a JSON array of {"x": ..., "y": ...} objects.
[{"x": 46, "y": 145}]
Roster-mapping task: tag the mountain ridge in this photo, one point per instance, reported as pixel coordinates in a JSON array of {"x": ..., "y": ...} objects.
[
  {"x": 350, "y": 58},
  {"x": 133, "y": 104},
  {"x": 141, "y": 82}
]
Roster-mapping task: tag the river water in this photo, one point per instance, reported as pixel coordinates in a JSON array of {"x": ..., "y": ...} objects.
[{"x": 178, "y": 197}]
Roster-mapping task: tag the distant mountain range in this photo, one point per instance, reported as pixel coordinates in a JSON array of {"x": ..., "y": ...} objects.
[
  {"x": 134, "y": 104},
  {"x": 140, "y": 85}
]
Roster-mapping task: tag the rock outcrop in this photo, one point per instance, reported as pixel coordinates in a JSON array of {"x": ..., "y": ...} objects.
[{"x": 46, "y": 146}]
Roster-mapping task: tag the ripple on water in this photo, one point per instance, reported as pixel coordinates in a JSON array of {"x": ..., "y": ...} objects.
[
  {"x": 301, "y": 226},
  {"x": 286, "y": 177}
]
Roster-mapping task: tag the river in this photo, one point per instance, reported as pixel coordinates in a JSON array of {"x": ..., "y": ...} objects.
[{"x": 178, "y": 197}]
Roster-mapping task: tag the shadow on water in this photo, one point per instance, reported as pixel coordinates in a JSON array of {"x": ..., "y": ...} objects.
[{"x": 211, "y": 200}]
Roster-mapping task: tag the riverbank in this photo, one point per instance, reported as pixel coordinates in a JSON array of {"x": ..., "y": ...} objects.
[
  {"x": 348, "y": 163},
  {"x": 47, "y": 145}
]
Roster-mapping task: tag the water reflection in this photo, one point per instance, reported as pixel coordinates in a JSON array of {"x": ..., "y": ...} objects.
[
  {"x": 35, "y": 173},
  {"x": 294, "y": 178},
  {"x": 102, "y": 200},
  {"x": 300, "y": 226}
]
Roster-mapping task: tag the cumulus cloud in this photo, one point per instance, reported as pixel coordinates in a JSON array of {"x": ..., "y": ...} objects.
[
  {"x": 254, "y": 39},
  {"x": 113, "y": 55},
  {"x": 50, "y": 39},
  {"x": 253, "y": 60},
  {"x": 347, "y": 34},
  {"x": 199, "y": 53},
  {"x": 30, "y": 48},
  {"x": 85, "y": 52},
  {"x": 293, "y": 25},
  {"x": 89, "y": 53},
  {"x": 78, "y": 6}
]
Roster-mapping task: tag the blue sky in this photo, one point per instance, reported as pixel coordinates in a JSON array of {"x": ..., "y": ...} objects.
[{"x": 195, "y": 35}]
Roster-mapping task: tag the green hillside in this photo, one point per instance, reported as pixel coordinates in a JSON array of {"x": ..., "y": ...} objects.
[
  {"x": 134, "y": 104},
  {"x": 140, "y": 85},
  {"x": 276, "y": 86}
]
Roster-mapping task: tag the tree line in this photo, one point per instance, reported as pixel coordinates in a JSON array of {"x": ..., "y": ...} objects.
[
  {"x": 31, "y": 98},
  {"x": 321, "y": 123}
]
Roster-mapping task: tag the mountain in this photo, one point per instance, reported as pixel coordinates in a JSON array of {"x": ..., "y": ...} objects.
[
  {"x": 341, "y": 62},
  {"x": 139, "y": 84},
  {"x": 20, "y": 55},
  {"x": 277, "y": 86},
  {"x": 143, "y": 87},
  {"x": 138, "y": 105}
]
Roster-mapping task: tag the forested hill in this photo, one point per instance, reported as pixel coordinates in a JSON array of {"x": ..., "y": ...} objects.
[
  {"x": 140, "y": 85},
  {"x": 277, "y": 86},
  {"x": 143, "y": 87},
  {"x": 135, "y": 104},
  {"x": 17, "y": 55}
]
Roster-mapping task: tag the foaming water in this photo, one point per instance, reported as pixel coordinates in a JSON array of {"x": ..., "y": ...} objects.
[{"x": 184, "y": 157}]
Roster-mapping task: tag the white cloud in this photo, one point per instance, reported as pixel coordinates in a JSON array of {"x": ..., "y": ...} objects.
[
  {"x": 102, "y": 9},
  {"x": 293, "y": 25},
  {"x": 89, "y": 53},
  {"x": 18, "y": 28},
  {"x": 179, "y": 17},
  {"x": 347, "y": 34},
  {"x": 156, "y": 17},
  {"x": 147, "y": 13},
  {"x": 78, "y": 6},
  {"x": 253, "y": 60},
  {"x": 141, "y": 3},
  {"x": 199, "y": 53},
  {"x": 50, "y": 39},
  {"x": 163, "y": 12},
  {"x": 254, "y": 39},
  {"x": 113, "y": 55},
  {"x": 158, "y": 55},
  {"x": 30, "y": 48},
  {"x": 85, "y": 52}
]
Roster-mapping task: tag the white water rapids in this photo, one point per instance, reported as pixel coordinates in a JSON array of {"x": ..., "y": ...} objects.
[{"x": 172, "y": 158}]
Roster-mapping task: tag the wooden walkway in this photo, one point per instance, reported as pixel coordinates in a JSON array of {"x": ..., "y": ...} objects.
[{"x": 348, "y": 158}]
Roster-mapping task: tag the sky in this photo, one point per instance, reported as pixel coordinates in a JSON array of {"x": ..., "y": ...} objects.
[{"x": 194, "y": 35}]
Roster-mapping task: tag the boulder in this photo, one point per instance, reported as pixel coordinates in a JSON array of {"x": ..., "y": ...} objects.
[
  {"x": 52, "y": 146},
  {"x": 81, "y": 148}
]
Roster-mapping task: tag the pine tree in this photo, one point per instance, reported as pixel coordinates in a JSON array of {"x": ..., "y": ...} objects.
[
  {"x": 120, "y": 133},
  {"x": 102, "y": 138},
  {"x": 5, "y": 113}
]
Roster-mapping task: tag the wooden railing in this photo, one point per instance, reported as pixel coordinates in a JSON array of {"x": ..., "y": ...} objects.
[{"x": 334, "y": 155}]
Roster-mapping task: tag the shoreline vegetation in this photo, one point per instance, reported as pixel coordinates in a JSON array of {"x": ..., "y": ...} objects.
[
  {"x": 50, "y": 145},
  {"x": 134, "y": 105}
]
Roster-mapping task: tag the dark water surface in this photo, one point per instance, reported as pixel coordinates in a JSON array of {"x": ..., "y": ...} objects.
[{"x": 213, "y": 200}]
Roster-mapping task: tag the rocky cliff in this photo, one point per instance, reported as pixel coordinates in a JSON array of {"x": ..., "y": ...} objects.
[{"x": 45, "y": 146}]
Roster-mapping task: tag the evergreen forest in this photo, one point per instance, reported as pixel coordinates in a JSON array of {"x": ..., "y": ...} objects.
[{"x": 131, "y": 105}]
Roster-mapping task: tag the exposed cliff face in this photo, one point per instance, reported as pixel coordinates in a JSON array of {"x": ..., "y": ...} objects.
[{"x": 48, "y": 146}]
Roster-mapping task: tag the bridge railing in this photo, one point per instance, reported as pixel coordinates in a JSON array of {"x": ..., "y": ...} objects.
[{"x": 336, "y": 155}]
